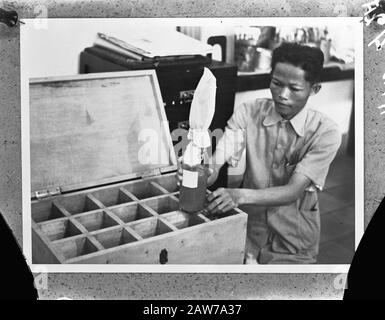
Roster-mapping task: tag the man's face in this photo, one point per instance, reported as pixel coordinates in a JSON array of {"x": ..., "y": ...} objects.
[{"x": 289, "y": 89}]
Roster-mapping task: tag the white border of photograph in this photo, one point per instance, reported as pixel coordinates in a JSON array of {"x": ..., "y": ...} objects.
[{"x": 180, "y": 268}]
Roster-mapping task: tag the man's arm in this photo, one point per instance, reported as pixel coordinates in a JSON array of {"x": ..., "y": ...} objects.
[
  {"x": 222, "y": 200},
  {"x": 229, "y": 150},
  {"x": 312, "y": 169}
]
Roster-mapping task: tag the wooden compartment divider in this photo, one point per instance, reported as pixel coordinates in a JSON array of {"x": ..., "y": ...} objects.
[
  {"x": 143, "y": 190},
  {"x": 159, "y": 187},
  {"x": 162, "y": 204},
  {"x": 129, "y": 194},
  {"x": 128, "y": 213},
  {"x": 96, "y": 243},
  {"x": 115, "y": 237},
  {"x": 165, "y": 191},
  {"x": 96, "y": 221}
]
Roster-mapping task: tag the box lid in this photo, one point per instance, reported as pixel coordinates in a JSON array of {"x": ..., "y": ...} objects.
[{"x": 94, "y": 129}]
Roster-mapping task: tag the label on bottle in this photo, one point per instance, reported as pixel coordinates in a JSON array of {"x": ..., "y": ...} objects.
[{"x": 190, "y": 179}]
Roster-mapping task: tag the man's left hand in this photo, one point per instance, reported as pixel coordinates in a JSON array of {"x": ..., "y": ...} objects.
[{"x": 223, "y": 200}]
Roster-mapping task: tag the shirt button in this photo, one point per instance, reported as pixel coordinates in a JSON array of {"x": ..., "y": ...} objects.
[
  {"x": 275, "y": 166},
  {"x": 279, "y": 146}
]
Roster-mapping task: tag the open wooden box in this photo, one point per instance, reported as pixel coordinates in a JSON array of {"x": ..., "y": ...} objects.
[{"x": 103, "y": 178}]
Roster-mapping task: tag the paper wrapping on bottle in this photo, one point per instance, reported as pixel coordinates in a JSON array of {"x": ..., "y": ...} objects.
[
  {"x": 202, "y": 109},
  {"x": 192, "y": 155}
]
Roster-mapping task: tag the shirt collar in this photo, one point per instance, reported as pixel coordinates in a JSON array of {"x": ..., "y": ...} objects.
[{"x": 298, "y": 121}]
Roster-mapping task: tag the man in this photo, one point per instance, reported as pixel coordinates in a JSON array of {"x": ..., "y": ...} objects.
[{"x": 289, "y": 148}]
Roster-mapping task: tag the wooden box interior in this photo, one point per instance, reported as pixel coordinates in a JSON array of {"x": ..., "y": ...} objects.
[{"x": 102, "y": 219}]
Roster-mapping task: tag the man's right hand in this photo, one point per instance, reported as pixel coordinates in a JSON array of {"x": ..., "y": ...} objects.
[{"x": 212, "y": 176}]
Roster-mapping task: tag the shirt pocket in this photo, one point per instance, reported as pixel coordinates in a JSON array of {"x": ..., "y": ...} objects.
[
  {"x": 291, "y": 162},
  {"x": 288, "y": 172},
  {"x": 293, "y": 157}
]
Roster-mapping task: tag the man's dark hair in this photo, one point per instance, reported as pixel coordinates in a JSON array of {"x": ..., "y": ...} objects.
[{"x": 309, "y": 59}]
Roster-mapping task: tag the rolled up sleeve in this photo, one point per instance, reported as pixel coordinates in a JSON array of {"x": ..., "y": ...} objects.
[
  {"x": 232, "y": 143},
  {"x": 315, "y": 163}
]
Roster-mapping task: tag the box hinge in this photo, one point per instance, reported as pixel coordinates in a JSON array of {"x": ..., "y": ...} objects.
[
  {"x": 40, "y": 194},
  {"x": 151, "y": 173}
]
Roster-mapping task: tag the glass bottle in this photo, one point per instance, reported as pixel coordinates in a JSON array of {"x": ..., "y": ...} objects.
[{"x": 192, "y": 196}]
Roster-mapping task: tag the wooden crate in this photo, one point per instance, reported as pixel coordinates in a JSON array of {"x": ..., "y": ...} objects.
[{"x": 95, "y": 200}]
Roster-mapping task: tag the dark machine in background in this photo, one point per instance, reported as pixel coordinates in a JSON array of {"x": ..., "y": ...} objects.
[{"x": 178, "y": 79}]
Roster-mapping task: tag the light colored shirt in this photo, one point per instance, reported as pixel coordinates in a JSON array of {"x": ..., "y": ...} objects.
[{"x": 276, "y": 149}]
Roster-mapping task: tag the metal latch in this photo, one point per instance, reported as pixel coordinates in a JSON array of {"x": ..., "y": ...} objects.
[
  {"x": 40, "y": 194},
  {"x": 151, "y": 173}
]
